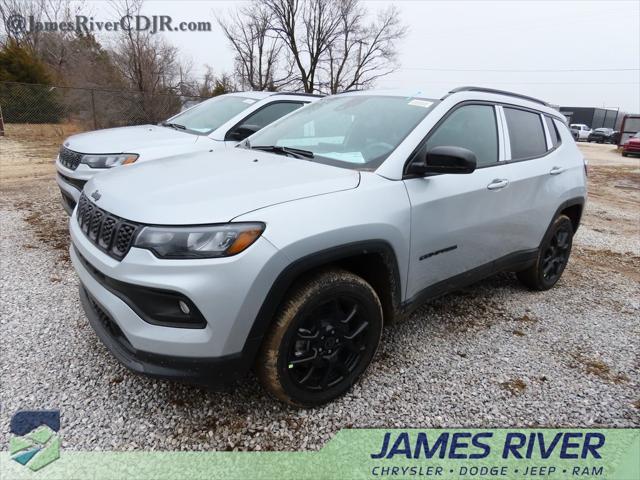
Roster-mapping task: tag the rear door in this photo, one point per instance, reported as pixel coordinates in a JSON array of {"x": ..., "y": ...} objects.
[
  {"x": 459, "y": 222},
  {"x": 537, "y": 175}
]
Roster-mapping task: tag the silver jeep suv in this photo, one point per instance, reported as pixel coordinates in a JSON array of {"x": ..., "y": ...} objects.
[{"x": 288, "y": 253}]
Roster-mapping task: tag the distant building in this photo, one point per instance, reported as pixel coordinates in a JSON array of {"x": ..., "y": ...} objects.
[{"x": 594, "y": 117}]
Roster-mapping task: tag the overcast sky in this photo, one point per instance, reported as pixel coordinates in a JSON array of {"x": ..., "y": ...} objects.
[{"x": 570, "y": 53}]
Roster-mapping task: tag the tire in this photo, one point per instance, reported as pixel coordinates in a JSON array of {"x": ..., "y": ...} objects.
[
  {"x": 553, "y": 256},
  {"x": 324, "y": 337},
  {"x": 625, "y": 154}
]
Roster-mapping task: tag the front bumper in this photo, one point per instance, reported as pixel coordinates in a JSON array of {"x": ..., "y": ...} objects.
[
  {"x": 71, "y": 183},
  {"x": 211, "y": 372},
  {"x": 229, "y": 293}
]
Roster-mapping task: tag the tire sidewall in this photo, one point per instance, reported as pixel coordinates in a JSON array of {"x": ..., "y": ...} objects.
[
  {"x": 317, "y": 293},
  {"x": 560, "y": 222}
]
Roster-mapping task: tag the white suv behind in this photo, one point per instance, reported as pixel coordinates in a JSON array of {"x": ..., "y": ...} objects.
[{"x": 214, "y": 124}]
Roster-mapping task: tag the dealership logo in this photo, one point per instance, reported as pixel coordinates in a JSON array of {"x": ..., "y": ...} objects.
[{"x": 36, "y": 442}]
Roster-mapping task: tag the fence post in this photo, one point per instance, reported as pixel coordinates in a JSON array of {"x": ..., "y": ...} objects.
[{"x": 93, "y": 110}]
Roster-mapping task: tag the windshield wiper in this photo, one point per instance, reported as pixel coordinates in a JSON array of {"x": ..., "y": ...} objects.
[
  {"x": 294, "y": 152},
  {"x": 177, "y": 126}
]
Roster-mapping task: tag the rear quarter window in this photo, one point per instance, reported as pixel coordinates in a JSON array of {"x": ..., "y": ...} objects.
[
  {"x": 526, "y": 134},
  {"x": 553, "y": 132}
]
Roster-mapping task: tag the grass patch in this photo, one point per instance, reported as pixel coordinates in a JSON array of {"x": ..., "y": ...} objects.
[{"x": 515, "y": 386}]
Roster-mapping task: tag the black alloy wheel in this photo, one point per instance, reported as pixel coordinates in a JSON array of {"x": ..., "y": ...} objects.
[
  {"x": 328, "y": 344},
  {"x": 556, "y": 255},
  {"x": 324, "y": 336},
  {"x": 553, "y": 256}
]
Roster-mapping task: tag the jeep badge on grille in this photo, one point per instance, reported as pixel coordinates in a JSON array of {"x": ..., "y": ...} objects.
[{"x": 96, "y": 195}]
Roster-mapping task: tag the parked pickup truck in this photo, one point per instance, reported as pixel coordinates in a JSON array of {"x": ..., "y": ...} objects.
[
  {"x": 215, "y": 124},
  {"x": 288, "y": 253}
]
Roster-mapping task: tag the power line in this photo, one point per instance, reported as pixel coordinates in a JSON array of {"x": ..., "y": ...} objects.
[
  {"x": 536, "y": 83},
  {"x": 522, "y": 70}
]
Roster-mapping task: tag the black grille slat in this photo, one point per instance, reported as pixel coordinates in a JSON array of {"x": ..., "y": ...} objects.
[
  {"x": 96, "y": 223},
  {"x": 69, "y": 158},
  {"x": 123, "y": 238},
  {"x": 109, "y": 233},
  {"x": 106, "y": 233}
]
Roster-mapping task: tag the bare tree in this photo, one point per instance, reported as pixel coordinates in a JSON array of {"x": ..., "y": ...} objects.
[
  {"x": 329, "y": 44},
  {"x": 362, "y": 53},
  {"x": 148, "y": 63},
  {"x": 307, "y": 28},
  {"x": 257, "y": 48}
]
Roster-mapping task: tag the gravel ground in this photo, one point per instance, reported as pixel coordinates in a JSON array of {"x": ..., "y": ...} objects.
[{"x": 493, "y": 355}]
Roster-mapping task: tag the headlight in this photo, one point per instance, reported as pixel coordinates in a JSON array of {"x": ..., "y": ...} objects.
[
  {"x": 108, "y": 160},
  {"x": 199, "y": 242}
]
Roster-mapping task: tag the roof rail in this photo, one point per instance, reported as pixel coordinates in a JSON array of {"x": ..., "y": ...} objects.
[
  {"x": 499, "y": 92},
  {"x": 303, "y": 94}
]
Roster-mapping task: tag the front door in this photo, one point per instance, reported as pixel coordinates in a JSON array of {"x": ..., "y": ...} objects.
[{"x": 459, "y": 222}]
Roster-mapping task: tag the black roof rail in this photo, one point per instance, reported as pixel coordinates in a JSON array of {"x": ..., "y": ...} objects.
[
  {"x": 299, "y": 94},
  {"x": 499, "y": 92}
]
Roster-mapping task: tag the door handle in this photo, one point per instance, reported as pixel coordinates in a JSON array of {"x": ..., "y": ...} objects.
[
  {"x": 556, "y": 170},
  {"x": 498, "y": 183}
]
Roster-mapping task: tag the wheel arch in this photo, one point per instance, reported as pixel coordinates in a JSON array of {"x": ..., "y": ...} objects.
[
  {"x": 573, "y": 209},
  {"x": 373, "y": 260}
]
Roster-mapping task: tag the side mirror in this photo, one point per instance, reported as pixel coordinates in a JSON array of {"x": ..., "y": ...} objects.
[
  {"x": 241, "y": 132},
  {"x": 445, "y": 160}
]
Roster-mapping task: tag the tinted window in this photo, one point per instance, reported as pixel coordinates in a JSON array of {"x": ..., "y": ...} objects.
[
  {"x": 553, "y": 132},
  {"x": 525, "y": 134},
  {"x": 271, "y": 113},
  {"x": 472, "y": 127}
]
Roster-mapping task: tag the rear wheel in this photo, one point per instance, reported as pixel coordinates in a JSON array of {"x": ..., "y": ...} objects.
[
  {"x": 552, "y": 257},
  {"x": 323, "y": 338}
]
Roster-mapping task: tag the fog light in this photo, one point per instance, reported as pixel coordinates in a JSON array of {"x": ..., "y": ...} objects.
[{"x": 184, "y": 308}]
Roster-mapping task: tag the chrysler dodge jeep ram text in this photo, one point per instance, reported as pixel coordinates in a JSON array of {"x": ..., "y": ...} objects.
[
  {"x": 213, "y": 124},
  {"x": 289, "y": 252}
]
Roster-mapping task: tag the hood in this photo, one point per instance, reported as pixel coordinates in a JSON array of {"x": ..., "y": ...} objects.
[
  {"x": 213, "y": 187},
  {"x": 128, "y": 139}
]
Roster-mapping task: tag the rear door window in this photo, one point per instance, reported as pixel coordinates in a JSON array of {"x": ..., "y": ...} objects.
[{"x": 526, "y": 134}]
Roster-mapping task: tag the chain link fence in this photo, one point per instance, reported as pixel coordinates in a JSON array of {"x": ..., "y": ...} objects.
[{"x": 87, "y": 108}]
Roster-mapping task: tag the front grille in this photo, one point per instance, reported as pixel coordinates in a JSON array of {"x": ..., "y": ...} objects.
[
  {"x": 69, "y": 158},
  {"x": 113, "y": 235}
]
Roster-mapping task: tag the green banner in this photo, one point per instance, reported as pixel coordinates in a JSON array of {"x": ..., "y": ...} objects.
[{"x": 359, "y": 454}]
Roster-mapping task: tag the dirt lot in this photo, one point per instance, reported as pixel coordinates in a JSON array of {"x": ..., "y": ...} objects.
[{"x": 490, "y": 355}]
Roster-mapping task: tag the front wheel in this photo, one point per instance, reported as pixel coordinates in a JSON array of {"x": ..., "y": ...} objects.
[
  {"x": 552, "y": 258},
  {"x": 323, "y": 338}
]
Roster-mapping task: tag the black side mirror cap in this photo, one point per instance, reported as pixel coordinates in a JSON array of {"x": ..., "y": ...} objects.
[
  {"x": 445, "y": 159},
  {"x": 241, "y": 132}
]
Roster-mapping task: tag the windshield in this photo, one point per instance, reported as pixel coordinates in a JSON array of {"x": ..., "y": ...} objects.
[
  {"x": 205, "y": 117},
  {"x": 603, "y": 130},
  {"x": 350, "y": 131}
]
